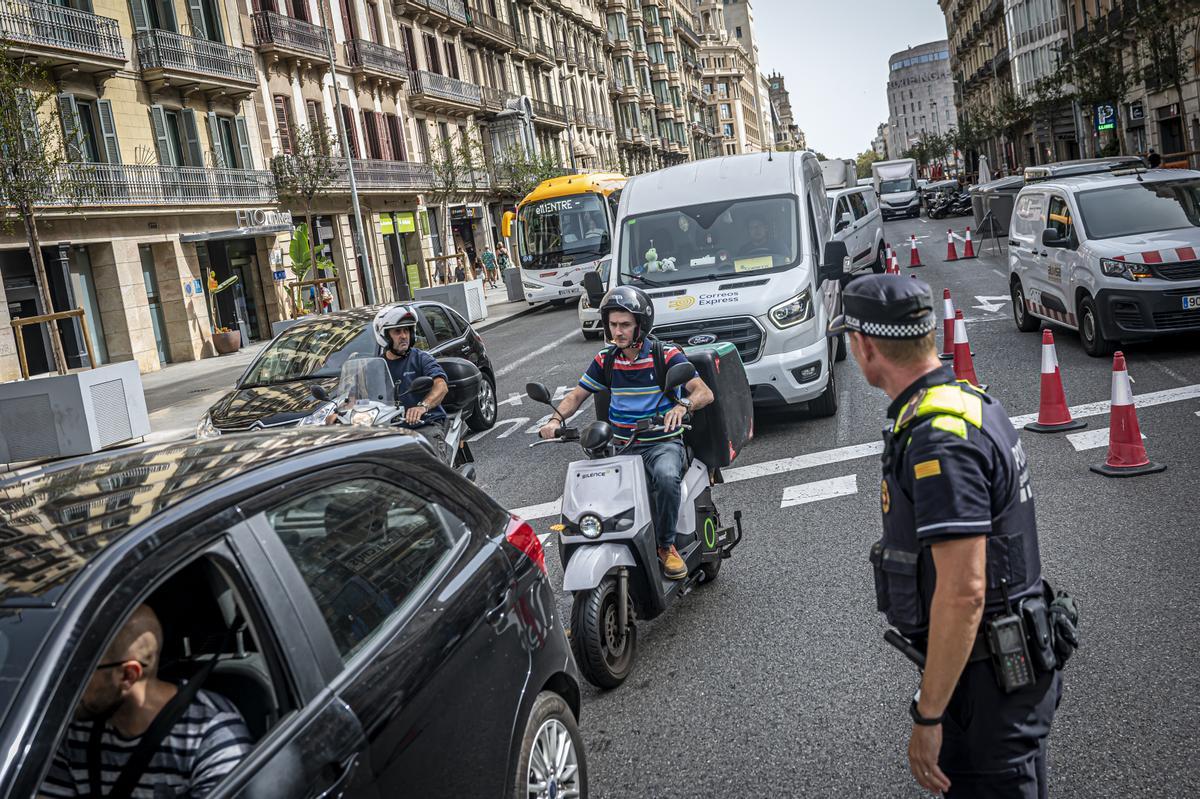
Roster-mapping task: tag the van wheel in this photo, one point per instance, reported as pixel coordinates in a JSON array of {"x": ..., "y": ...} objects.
[
  {"x": 605, "y": 657},
  {"x": 826, "y": 404},
  {"x": 553, "y": 762},
  {"x": 841, "y": 349},
  {"x": 1094, "y": 342},
  {"x": 879, "y": 267},
  {"x": 1026, "y": 323}
]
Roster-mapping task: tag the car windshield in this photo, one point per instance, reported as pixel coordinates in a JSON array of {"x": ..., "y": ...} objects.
[
  {"x": 1137, "y": 208},
  {"x": 563, "y": 230},
  {"x": 310, "y": 350},
  {"x": 710, "y": 241},
  {"x": 897, "y": 186}
]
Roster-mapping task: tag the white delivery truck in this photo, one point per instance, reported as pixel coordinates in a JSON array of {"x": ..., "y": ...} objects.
[
  {"x": 840, "y": 173},
  {"x": 739, "y": 249},
  {"x": 896, "y": 185}
]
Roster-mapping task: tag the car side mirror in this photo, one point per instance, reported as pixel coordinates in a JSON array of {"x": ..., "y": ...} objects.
[
  {"x": 834, "y": 263},
  {"x": 320, "y": 393},
  {"x": 596, "y": 435},
  {"x": 421, "y": 385},
  {"x": 679, "y": 375},
  {"x": 538, "y": 393},
  {"x": 594, "y": 287}
]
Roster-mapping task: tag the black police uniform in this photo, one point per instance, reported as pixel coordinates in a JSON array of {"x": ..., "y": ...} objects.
[{"x": 953, "y": 467}]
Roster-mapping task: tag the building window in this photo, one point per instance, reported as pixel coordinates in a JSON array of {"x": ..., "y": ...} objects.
[{"x": 283, "y": 120}]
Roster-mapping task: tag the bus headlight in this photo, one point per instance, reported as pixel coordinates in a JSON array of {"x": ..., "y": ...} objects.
[{"x": 793, "y": 311}]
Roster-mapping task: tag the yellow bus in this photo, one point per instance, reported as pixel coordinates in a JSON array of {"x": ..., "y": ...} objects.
[{"x": 563, "y": 229}]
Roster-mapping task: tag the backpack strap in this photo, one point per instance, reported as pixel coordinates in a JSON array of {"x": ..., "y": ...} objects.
[
  {"x": 660, "y": 363},
  {"x": 610, "y": 358}
]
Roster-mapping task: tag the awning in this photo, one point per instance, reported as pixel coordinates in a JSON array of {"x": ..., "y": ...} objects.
[{"x": 236, "y": 233}]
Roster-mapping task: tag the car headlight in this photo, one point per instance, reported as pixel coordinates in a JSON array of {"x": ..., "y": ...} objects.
[
  {"x": 320, "y": 415},
  {"x": 590, "y": 526},
  {"x": 1124, "y": 269},
  {"x": 365, "y": 417},
  {"x": 792, "y": 312},
  {"x": 205, "y": 428}
]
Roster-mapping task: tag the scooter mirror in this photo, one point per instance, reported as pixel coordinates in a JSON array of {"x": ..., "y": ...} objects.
[
  {"x": 320, "y": 393},
  {"x": 679, "y": 374},
  {"x": 538, "y": 393},
  {"x": 596, "y": 435},
  {"x": 421, "y": 385}
]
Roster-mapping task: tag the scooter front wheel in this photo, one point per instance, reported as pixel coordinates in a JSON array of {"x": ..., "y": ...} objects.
[{"x": 604, "y": 652}]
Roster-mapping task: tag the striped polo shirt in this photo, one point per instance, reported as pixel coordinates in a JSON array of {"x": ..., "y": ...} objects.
[
  {"x": 204, "y": 745},
  {"x": 634, "y": 394}
]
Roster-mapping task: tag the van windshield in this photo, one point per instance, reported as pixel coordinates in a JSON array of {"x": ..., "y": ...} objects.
[
  {"x": 1138, "y": 208},
  {"x": 898, "y": 186},
  {"x": 709, "y": 241}
]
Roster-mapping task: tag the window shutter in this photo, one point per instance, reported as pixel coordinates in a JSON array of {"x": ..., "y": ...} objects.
[
  {"x": 283, "y": 122},
  {"x": 218, "y": 148},
  {"x": 108, "y": 129},
  {"x": 351, "y": 132},
  {"x": 72, "y": 132},
  {"x": 385, "y": 138},
  {"x": 166, "y": 15},
  {"x": 192, "y": 135},
  {"x": 140, "y": 13},
  {"x": 397, "y": 134},
  {"x": 158, "y": 121},
  {"x": 31, "y": 129},
  {"x": 243, "y": 136},
  {"x": 196, "y": 14}
]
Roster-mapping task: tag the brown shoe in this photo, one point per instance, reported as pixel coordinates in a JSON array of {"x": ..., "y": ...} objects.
[{"x": 673, "y": 566}]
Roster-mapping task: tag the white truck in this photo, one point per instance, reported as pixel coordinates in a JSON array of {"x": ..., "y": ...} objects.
[
  {"x": 896, "y": 185},
  {"x": 839, "y": 173}
]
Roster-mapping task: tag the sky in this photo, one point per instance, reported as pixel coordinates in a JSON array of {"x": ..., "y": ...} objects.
[{"x": 834, "y": 55}]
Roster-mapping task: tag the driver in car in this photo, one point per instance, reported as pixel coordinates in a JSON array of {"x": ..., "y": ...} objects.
[
  {"x": 759, "y": 242},
  {"x": 395, "y": 327},
  {"x": 628, "y": 316}
]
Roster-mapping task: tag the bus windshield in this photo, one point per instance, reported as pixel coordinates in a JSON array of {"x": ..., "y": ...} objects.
[{"x": 563, "y": 230}]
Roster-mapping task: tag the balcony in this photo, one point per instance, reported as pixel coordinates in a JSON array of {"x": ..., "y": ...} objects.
[
  {"x": 452, "y": 10},
  {"x": 62, "y": 36},
  {"x": 374, "y": 176},
  {"x": 436, "y": 92},
  {"x": 172, "y": 59},
  {"x": 543, "y": 51},
  {"x": 560, "y": 51},
  {"x": 488, "y": 29},
  {"x": 579, "y": 117},
  {"x": 548, "y": 115},
  {"x": 495, "y": 100},
  {"x": 369, "y": 59},
  {"x": 615, "y": 84},
  {"x": 686, "y": 32},
  {"x": 285, "y": 37},
  {"x": 121, "y": 185}
]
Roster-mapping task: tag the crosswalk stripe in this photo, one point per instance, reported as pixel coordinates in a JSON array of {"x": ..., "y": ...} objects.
[
  {"x": 1089, "y": 439},
  {"x": 821, "y": 489}
]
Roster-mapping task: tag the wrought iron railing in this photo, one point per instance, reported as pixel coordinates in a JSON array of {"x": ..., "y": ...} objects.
[
  {"x": 167, "y": 50},
  {"x": 376, "y": 174},
  {"x": 457, "y": 10},
  {"x": 376, "y": 58},
  {"x": 495, "y": 99},
  {"x": 434, "y": 85},
  {"x": 543, "y": 49},
  {"x": 544, "y": 110},
  {"x": 34, "y": 22},
  {"x": 154, "y": 184},
  {"x": 485, "y": 22},
  {"x": 294, "y": 34}
]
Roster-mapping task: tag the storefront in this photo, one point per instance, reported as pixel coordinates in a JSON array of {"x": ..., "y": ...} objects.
[
  {"x": 402, "y": 247},
  {"x": 1170, "y": 130},
  {"x": 470, "y": 229}
]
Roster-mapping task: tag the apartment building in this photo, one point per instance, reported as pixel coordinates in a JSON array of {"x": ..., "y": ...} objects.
[
  {"x": 788, "y": 135},
  {"x": 920, "y": 94},
  {"x": 731, "y": 83}
]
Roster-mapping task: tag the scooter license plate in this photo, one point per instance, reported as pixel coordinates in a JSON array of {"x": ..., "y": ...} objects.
[{"x": 1191, "y": 303}]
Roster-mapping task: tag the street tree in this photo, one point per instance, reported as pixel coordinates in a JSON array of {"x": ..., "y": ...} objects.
[
  {"x": 519, "y": 171},
  {"x": 863, "y": 162},
  {"x": 456, "y": 171},
  {"x": 309, "y": 172},
  {"x": 40, "y": 164}
]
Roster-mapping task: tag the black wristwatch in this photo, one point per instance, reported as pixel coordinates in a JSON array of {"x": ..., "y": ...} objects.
[{"x": 922, "y": 720}]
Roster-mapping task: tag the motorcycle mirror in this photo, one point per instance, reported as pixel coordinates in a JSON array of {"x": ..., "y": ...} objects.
[
  {"x": 421, "y": 385},
  {"x": 320, "y": 393},
  {"x": 597, "y": 435},
  {"x": 538, "y": 393},
  {"x": 679, "y": 374}
]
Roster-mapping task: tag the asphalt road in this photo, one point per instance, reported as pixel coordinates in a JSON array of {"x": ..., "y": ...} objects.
[{"x": 775, "y": 679}]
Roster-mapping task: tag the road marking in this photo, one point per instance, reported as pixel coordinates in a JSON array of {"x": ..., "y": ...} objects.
[
  {"x": 805, "y": 461},
  {"x": 998, "y": 272},
  {"x": 510, "y": 368},
  {"x": 513, "y": 399},
  {"x": 822, "y": 489},
  {"x": 989, "y": 304},
  {"x": 539, "y": 511},
  {"x": 1090, "y": 439},
  {"x": 1142, "y": 401}
]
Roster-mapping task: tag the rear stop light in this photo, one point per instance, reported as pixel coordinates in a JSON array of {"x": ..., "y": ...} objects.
[{"x": 522, "y": 536}]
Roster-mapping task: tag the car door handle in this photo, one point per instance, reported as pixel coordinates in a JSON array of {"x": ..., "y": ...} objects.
[
  {"x": 501, "y": 609},
  {"x": 340, "y": 774},
  {"x": 1042, "y": 253}
]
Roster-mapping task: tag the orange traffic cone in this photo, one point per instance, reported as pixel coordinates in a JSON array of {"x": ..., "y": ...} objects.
[
  {"x": 968, "y": 247},
  {"x": 1126, "y": 452},
  {"x": 951, "y": 255},
  {"x": 947, "y": 326},
  {"x": 914, "y": 257},
  {"x": 964, "y": 366},
  {"x": 1053, "y": 414}
]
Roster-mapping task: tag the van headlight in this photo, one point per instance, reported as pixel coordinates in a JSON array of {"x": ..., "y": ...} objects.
[
  {"x": 205, "y": 427},
  {"x": 320, "y": 415},
  {"x": 792, "y": 312},
  {"x": 1124, "y": 269},
  {"x": 590, "y": 526}
]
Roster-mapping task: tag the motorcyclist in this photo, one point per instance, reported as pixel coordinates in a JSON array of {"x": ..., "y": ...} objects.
[
  {"x": 628, "y": 315},
  {"x": 395, "y": 327}
]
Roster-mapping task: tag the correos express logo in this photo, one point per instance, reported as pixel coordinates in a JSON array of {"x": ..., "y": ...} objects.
[{"x": 681, "y": 303}]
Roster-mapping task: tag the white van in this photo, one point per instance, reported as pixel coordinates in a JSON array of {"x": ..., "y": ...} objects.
[
  {"x": 858, "y": 222},
  {"x": 740, "y": 249}
]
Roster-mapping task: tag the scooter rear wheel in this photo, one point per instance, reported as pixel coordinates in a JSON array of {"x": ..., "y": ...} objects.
[{"x": 605, "y": 657}]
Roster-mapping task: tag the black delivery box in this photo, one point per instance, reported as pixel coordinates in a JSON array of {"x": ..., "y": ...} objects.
[{"x": 720, "y": 431}]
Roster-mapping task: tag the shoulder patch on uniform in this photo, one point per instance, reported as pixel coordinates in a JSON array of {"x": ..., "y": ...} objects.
[
  {"x": 927, "y": 469},
  {"x": 951, "y": 424}
]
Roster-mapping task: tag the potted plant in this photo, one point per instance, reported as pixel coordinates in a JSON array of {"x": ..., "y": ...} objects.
[
  {"x": 225, "y": 340},
  {"x": 306, "y": 261}
]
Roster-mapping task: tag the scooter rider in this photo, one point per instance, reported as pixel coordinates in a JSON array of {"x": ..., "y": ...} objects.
[
  {"x": 631, "y": 368},
  {"x": 394, "y": 327}
]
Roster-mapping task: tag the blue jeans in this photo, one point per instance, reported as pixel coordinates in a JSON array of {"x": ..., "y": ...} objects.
[{"x": 665, "y": 463}]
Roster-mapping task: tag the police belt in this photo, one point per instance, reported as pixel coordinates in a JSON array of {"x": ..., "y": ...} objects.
[{"x": 979, "y": 649}]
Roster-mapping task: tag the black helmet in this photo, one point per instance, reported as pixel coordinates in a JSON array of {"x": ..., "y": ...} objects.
[{"x": 632, "y": 300}]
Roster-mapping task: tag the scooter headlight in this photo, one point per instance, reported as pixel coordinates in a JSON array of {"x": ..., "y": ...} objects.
[
  {"x": 320, "y": 416},
  {"x": 590, "y": 526},
  {"x": 365, "y": 417}
]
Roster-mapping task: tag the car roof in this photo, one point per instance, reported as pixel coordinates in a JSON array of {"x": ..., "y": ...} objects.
[
  {"x": 1099, "y": 180},
  {"x": 54, "y": 520},
  {"x": 730, "y": 177}
]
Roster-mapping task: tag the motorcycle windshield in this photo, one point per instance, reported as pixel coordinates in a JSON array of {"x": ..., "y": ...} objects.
[{"x": 366, "y": 379}]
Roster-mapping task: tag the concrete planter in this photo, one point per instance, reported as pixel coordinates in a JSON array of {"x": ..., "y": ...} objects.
[
  {"x": 467, "y": 298},
  {"x": 225, "y": 343},
  {"x": 60, "y": 416}
]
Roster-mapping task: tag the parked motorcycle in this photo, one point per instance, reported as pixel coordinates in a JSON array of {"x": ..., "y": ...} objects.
[
  {"x": 607, "y": 541},
  {"x": 938, "y": 205},
  {"x": 366, "y": 396},
  {"x": 961, "y": 204}
]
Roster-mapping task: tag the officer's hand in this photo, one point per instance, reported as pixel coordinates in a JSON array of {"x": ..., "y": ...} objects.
[
  {"x": 412, "y": 416},
  {"x": 550, "y": 429},
  {"x": 924, "y": 745},
  {"x": 674, "y": 417}
]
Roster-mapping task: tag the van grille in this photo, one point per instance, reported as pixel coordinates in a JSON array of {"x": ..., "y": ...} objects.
[
  {"x": 1176, "y": 320},
  {"x": 1183, "y": 270},
  {"x": 740, "y": 331}
]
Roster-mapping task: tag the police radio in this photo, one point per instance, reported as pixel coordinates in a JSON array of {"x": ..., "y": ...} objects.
[{"x": 1010, "y": 654}]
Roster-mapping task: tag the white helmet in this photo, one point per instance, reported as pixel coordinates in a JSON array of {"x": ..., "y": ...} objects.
[{"x": 391, "y": 317}]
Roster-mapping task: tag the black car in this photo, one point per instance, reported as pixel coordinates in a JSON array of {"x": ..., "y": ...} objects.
[
  {"x": 383, "y": 627},
  {"x": 276, "y": 389}
]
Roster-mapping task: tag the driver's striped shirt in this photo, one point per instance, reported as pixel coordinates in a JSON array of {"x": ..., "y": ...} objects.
[{"x": 634, "y": 393}]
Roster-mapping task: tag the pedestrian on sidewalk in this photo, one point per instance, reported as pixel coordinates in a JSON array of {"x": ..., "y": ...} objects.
[
  {"x": 502, "y": 259},
  {"x": 1153, "y": 159},
  {"x": 460, "y": 274},
  {"x": 489, "y": 266}
]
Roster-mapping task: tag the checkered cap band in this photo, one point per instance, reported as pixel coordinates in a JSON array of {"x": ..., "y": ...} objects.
[{"x": 896, "y": 330}]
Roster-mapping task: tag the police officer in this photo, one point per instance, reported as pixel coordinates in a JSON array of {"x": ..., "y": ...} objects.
[{"x": 959, "y": 552}]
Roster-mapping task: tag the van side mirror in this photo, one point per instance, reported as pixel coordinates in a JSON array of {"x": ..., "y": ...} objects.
[
  {"x": 1050, "y": 238},
  {"x": 538, "y": 393},
  {"x": 834, "y": 263},
  {"x": 506, "y": 224},
  {"x": 594, "y": 287},
  {"x": 679, "y": 375},
  {"x": 844, "y": 222}
]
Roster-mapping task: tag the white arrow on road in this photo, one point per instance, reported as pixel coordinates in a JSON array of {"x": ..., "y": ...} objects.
[
  {"x": 513, "y": 399},
  {"x": 822, "y": 489},
  {"x": 991, "y": 304}
]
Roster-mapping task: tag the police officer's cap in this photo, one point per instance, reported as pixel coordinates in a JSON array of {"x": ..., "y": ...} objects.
[{"x": 886, "y": 306}]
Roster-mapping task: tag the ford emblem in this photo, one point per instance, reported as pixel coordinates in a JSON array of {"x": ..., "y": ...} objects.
[{"x": 702, "y": 338}]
